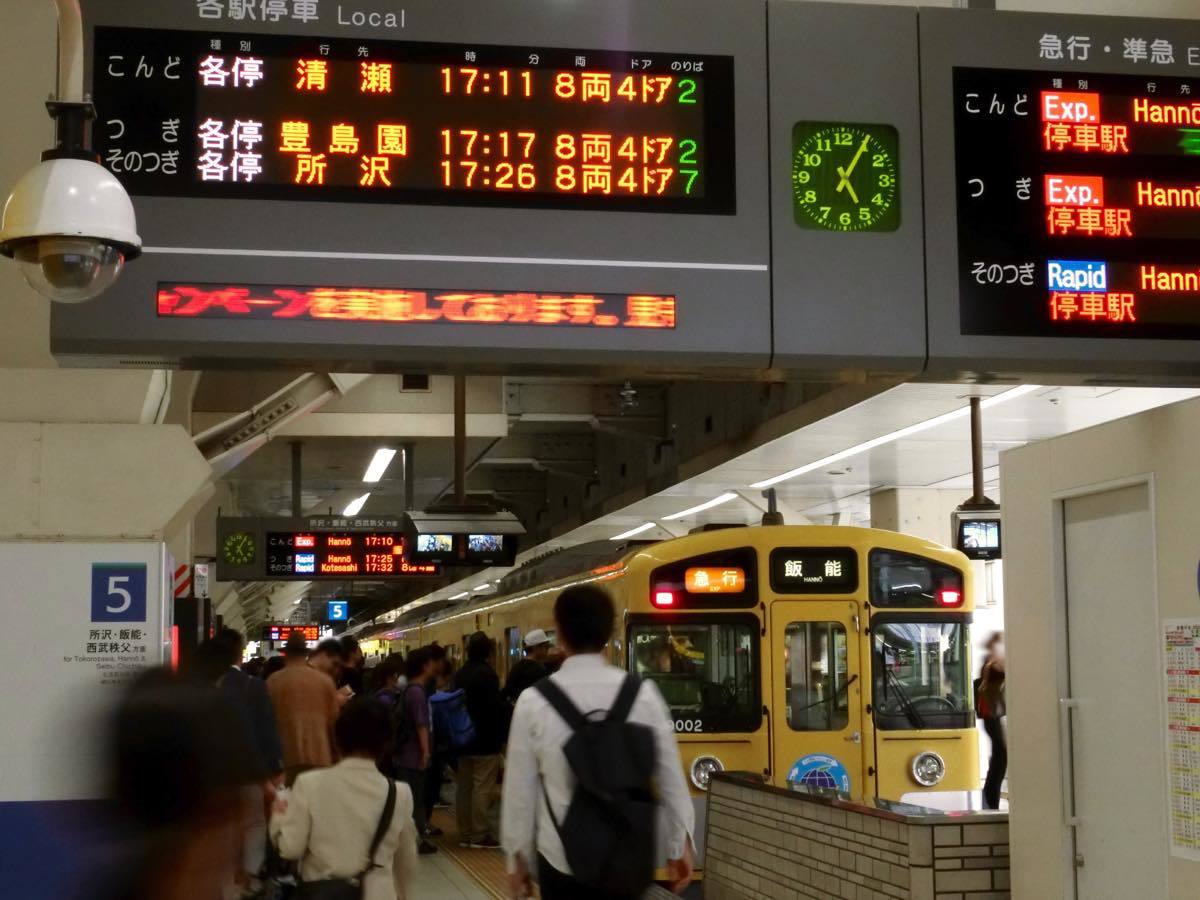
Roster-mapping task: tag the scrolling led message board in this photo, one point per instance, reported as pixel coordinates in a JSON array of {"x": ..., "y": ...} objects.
[
  {"x": 1080, "y": 206},
  {"x": 317, "y": 118}
]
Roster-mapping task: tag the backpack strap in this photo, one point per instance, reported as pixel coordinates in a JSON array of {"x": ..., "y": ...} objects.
[
  {"x": 385, "y": 820},
  {"x": 562, "y": 703},
  {"x": 623, "y": 705}
]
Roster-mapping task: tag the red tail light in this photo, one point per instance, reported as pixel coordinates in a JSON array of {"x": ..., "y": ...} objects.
[
  {"x": 948, "y": 597},
  {"x": 664, "y": 598}
]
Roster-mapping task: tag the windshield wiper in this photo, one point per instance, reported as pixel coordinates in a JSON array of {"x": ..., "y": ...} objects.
[{"x": 906, "y": 703}]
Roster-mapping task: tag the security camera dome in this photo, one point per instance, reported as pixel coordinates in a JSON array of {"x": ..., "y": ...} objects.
[{"x": 70, "y": 225}]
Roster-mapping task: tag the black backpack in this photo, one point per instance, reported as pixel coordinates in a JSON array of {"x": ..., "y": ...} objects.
[{"x": 608, "y": 833}]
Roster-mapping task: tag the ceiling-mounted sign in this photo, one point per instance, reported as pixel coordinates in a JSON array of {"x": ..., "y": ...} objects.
[
  {"x": 1062, "y": 202},
  {"x": 286, "y": 117},
  {"x": 310, "y": 633},
  {"x": 314, "y": 549},
  {"x": 469, "y": 166}
]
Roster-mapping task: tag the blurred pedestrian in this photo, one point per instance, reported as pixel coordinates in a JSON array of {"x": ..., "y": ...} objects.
[
  {"x": 180, "y": 760},
  {"x": 479, "y": 762},
  {"x": 991, "y": 708},
  {"x": 306, "y": 706},
  {"x": 350, "y": 828},
  {"x": 530, "y": 670},
  {"x": 250, "y": 695},
  {"x": 413, "y": 750},
  {"x": 353, "y": 665}
]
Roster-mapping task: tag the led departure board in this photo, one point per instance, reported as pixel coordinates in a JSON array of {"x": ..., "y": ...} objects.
[
  {"x": 340, "y": 554},
  {"x": 311, "y": 633},
  {"x": 286, "y": 117},
  {"x": 1079, "y": 204}
]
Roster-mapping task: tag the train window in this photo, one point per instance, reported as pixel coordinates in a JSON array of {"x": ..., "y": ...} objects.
[
  {"x": 512, "y": 641},
  {"x": 816, "y": 676},
  {"x": 706, "y": 669},
  {"x": 906, "y": 580},
  {"x": 921, "y": 674}
]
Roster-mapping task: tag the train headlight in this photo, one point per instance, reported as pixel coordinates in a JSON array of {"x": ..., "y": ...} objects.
[
  {"x": 928, "y": 768},
  {"x": 703, "y": 769}
]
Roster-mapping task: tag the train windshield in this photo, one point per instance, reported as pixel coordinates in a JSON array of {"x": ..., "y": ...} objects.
[
  {"x": 921, "y": 674},
  {"x": 706, "y": 669}
]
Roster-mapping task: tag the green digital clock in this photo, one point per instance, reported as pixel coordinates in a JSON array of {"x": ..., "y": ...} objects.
[
  {"x": 238, "y": 548},
  {"x": 845, "y": 177}
]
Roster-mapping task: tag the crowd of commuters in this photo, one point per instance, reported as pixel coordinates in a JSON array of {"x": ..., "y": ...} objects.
[{"x": 338, "y": 767}]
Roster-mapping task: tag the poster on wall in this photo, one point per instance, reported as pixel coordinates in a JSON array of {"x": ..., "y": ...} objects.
[{"x": 1181, "y": 657}]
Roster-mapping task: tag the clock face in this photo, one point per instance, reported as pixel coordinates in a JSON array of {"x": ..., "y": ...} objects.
[
  {"x": 845, "y": 177},
  {"x": 238, "y": 549}
]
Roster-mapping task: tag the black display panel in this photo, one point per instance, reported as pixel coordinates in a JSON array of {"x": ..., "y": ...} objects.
[
  {"x": 978, "y": 538},
  {"x": 314, "y": 555},
  {"x": 814, "y": 570},
  {"x": 1078, "y": 204},
  {"x": 310, "y": 118},
  {"x": 724, "y": 579}
]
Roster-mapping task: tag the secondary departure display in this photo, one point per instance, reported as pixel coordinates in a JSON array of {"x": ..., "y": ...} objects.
[
  {"x": 190, "y": 113},
  {"x": 1078, "y": 204},
  {"x": 340, "y": 554}
]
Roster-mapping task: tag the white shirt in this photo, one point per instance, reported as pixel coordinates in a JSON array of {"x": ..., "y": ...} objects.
[
  {"x": 329, "y": 823},
  {"x": 535, "y": 744}
]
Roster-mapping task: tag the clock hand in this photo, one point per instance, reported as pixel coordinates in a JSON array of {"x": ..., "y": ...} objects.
[
  {"x": 844, "y": 182},
  {"x": 844, "y": 174}
]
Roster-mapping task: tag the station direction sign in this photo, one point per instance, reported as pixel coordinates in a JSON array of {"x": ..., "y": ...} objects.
[
  {"x": 314, "y": 549},
  {"x": 1062, "y": 167},
  {"x": 453, "y": 183}
]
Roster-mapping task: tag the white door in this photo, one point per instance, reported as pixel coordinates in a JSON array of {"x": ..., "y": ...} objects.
[{"x": 1116, "y": 757}]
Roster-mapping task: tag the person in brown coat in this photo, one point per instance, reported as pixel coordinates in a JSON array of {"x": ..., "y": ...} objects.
[{"x": 306, "y": 707}]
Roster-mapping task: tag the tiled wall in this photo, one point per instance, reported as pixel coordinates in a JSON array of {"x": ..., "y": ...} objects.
[{"x": 768, "y": 844}]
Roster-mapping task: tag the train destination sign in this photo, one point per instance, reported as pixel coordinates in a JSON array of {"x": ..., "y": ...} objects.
[
  {"x": 1079, "y": 210},
  {"x": 814, "y": 570},
  {"x": 287, "y": 117}
]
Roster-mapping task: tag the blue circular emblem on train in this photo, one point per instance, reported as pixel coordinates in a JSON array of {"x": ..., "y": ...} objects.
[{"x": 821, "y": 772}]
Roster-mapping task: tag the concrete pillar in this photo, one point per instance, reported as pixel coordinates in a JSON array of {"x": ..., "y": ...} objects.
[{"x": 921, "y": 512}]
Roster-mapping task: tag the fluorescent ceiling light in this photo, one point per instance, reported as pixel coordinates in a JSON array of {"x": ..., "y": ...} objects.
[
  {"x": 716, "y": 501},
  {"x": 379, "y": 463},
  {"x": 899, "y": 434},
  {"x": 460, "y": 595},
  {"x": 355, "y": 506},
  {"x": 631, "y": 532}
]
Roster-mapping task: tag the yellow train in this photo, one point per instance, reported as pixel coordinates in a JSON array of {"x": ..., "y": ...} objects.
[{"x": 832, "y": 658}]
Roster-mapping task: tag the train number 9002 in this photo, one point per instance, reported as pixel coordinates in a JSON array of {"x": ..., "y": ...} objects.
[{"x": 689, "y": 725}]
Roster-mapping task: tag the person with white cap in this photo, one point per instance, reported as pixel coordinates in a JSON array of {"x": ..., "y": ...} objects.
[{"x": 532, "y": 668}]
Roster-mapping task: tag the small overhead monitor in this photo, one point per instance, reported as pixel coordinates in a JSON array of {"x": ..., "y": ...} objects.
[
  {"x": 435, "y": 543},
  {"x": 977, "y": 534},
  {"x": 487, "y": 549},
  {"x": 485, "y": 543}
]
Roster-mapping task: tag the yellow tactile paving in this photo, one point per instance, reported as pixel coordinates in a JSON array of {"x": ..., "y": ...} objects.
[{"x": 486, "y": 867}]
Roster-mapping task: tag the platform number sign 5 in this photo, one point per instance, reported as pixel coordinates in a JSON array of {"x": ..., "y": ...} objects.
[{"x": 118, "y": 592}]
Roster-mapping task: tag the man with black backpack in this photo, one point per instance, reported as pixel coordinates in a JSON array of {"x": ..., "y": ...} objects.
[{"x": 594, "y": 795}]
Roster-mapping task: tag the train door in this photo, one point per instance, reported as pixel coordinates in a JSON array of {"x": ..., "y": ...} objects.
[{"x": 816, "y": 729}]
